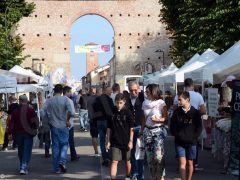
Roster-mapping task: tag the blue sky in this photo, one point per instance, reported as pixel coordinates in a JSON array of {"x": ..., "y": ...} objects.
[{"x": 89, "y": 28}]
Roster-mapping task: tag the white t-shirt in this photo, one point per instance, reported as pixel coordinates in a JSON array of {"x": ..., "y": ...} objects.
[
  {"x": 152, "y": 108},
  {"x": 196, "y": 99}
]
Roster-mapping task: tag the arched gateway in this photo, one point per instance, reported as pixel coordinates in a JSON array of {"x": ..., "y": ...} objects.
[{"x": 138, "y": 33}]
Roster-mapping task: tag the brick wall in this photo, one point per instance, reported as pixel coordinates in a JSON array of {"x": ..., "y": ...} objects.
[{"x": 138, "y": 32}]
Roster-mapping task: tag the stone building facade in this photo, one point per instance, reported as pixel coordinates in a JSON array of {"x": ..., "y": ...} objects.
[{"x": 138, "y": 32}]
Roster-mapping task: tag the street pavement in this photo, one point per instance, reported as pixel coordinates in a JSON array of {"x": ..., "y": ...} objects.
[{"x": 89, "y": 166}]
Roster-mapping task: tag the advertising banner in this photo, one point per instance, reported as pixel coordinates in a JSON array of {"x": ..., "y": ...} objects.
[
  {"x": 92, "y": 48},
  {"x": 213, "y": 102}
]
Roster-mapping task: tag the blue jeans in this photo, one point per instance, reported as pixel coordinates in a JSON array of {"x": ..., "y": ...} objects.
[
  {"x": 83, "y": 118},
  {"x": 59, "y": 146},
  {"x": 102, "y": 129},
  {"x": 25, "y": 143},
  {"x": 137, "y": 165},
  {"x": 73, "y": 152}
]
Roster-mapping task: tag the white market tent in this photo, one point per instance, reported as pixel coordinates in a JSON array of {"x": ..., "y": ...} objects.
[
  {"x": 19, "y": 70},
  {"x": 151, "y": 78},
  {"x": 7, "y": 82},
  {"x": 217, "y": 70},
  {"x": 20, "y": 78},
  {"x": 170, "y": 70},
  {"x": 207, "y": 57}
]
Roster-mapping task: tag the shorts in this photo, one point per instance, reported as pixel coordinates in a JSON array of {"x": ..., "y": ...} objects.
[
  {"x": 188, "y": 152},
  {"x": 118, "y": 154},
  {"x": 93, "y": 130}
]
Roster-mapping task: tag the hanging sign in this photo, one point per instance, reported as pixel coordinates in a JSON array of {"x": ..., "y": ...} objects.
[{"x": 92, "y": 48}]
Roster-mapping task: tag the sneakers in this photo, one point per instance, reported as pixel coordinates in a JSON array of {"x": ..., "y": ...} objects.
[
  {"x": 97, "y": 155},
  {"x": 197, "y": 168},
  {"x": 23, "y": 172},
  {"x": 83, "y": 130},
  {"x": 63, "y": 168},
  {"x": 5, "y": 149}
]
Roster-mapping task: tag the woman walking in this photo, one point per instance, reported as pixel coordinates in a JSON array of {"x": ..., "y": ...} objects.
[{"x": 154, "y": 132}]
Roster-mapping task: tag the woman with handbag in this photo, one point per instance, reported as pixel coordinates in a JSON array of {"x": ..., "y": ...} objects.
[{"x": 154, "y": 133}]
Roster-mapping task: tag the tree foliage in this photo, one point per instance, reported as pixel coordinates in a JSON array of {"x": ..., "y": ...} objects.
[
  {"x": 196, "y": 25},
  {"x": 11, "y": 45}
]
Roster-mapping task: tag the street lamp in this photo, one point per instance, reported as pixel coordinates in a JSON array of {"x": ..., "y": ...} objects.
[{"x": 161, "y": 51}]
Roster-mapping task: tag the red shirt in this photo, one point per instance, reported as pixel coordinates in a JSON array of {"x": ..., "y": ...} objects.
[{"x": 22, "y": 120}]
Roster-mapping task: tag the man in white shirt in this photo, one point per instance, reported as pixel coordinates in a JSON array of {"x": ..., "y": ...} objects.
[{"x": 196, "y": 100}]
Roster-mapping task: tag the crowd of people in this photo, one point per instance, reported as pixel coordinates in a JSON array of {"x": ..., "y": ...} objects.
[{"x": 117, "y": 121}]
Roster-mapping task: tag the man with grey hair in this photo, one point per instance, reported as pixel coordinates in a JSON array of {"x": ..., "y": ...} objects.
[
  {"x": 23, "y": 124},
  {"x": 134, "y": 103}
]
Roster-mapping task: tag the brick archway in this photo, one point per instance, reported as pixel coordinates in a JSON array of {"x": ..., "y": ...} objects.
[{"x": 138, "y": 32}]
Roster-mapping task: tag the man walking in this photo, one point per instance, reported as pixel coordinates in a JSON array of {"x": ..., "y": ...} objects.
[
  {"x": 59, "y": 112},
  {"x": 67, "y": 91},
  {"x": 23, "y": 124},
  {"x": 196, "y": 100},
  {"x": 134, "y": 103}
]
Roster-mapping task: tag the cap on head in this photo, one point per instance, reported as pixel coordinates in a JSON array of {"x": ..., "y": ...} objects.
[{"x": 228, "y": 79}]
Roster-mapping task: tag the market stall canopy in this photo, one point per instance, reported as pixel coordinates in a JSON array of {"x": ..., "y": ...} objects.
[
  {"x": 207, "y": 57},
  {"x": 222, "y": 66},
  {"x": 21, "y": 79},
  {"x": 170, "y": 70},
  {"x": 19, "y": 70},
  {"x": 24, "y": 88},
  {"x": 151, "y": 78},
  {"x": 7, "y": 82}
]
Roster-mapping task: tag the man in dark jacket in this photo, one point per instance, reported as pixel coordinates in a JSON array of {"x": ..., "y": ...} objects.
[
  {"x": 24, "y": 123},
  {"x": 103, "y": 111},
  {"x": 134, "y": 103}
]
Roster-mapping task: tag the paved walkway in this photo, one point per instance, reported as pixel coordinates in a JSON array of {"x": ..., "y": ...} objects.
[{"x": 89, "y": 166}]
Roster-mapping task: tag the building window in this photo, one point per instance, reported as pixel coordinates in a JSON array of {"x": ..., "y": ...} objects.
[
  {"x": 35, "y": 15},
  {"x": 148, "y": 58},
  {"x": 23, "y": 34},
  {"x": 111, "y": 15},
  {"x": 43, "y": 59},
  {"x": 60, "y": 16},
  {"x": 38, "y": 35},
  {"x": 64, "y": 34},
  {"x": 130, "y": 34},
  {"x": 120, "y": 14},
  {"x": 129, "y": 15},
  {"x": 139, "y": 14},
  {"x": 159, "y": 57},
  {"x": 148, "y": 34},
  {"x": 65, "y": 49},
  {"x": 42, "y": 48},
  {"x": 148, "y": 15},
  {"x": 138, "y": 47},
  {"x": 50, "y": 34},
  {"x": 130, "y": 47},
  {"x": 138, "y": 34},
  {"x": 159, "y": 33},
  {"x": 119, "y": 47},
  {"x": 48, "y": 16},
  {"x": 119, "y": 34}
]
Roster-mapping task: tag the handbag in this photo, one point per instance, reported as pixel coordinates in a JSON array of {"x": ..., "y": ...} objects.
[{"x": 140, "y": 149}]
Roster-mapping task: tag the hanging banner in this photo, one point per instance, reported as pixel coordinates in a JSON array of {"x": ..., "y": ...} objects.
[
  {"x": 213, "y": 102},
  {"x": 233, "y": 164},
  {"x": 92, "y": 48}
]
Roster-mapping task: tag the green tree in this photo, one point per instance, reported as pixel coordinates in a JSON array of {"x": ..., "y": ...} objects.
[
  {"x": 196, "y": 25},
  {"x": 11, "y": 45}
]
